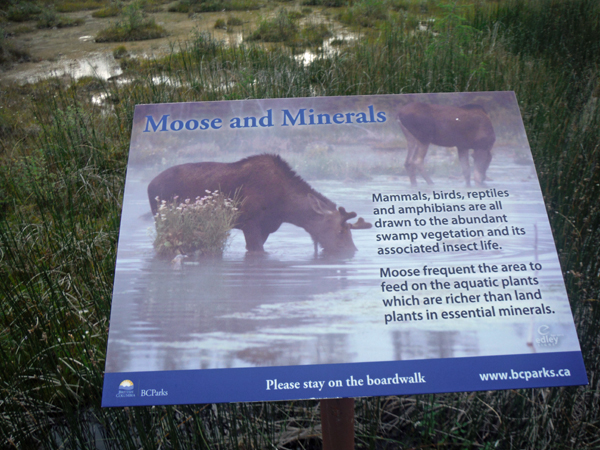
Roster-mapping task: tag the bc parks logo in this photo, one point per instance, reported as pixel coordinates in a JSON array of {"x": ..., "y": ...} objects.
[
  {"x": 126, "y": 389},
  {"x": 153, "y": 393},
  {"x": 546, "y": 338}
]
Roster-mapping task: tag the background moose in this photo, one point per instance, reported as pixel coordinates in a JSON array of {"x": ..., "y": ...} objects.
[{"x": 466, "y": 127}]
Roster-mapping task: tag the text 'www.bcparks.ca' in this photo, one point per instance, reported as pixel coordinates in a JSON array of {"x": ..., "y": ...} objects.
[{"x": 525, "y": 374}]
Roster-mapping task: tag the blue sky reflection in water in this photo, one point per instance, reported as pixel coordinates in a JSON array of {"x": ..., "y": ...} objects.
[{"x": 289, "y": 307}]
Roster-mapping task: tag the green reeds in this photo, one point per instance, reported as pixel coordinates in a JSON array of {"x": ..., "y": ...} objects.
[{"x": 133, "y": 26}]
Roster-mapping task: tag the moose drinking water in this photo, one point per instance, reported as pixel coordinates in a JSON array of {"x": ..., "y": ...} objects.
[
  {"x": 271, "y": 193},
  {"x": 466, "y": 127}
]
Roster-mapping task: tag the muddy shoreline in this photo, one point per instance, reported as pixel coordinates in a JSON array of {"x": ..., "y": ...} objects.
[{"x": 73, "y": 51}]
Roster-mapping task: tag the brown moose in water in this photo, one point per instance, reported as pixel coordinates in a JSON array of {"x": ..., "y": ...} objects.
[
  {"x": 466, "y": 127},
  {"x": 271, "y": 193}
]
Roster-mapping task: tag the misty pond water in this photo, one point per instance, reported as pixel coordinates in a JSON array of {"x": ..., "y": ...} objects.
[{"x": 290, "y": 307}]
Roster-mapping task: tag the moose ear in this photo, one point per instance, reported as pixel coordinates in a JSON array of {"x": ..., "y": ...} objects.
[
  {"x": 317, "y": 205},
  {"x": 360, "y": 224}
]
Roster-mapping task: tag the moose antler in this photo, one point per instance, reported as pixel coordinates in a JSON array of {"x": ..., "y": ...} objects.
[
  {"x": 360, "y": 224},
  {"x": 346, "y": 215}
]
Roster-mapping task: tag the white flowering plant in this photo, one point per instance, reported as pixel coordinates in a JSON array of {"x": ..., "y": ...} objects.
[{"x": 201, "y": 225}]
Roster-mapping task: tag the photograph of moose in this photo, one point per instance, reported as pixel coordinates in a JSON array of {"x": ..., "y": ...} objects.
[
  {"x": 271, "y": 193},
  {"x": 295, "y": 277}
]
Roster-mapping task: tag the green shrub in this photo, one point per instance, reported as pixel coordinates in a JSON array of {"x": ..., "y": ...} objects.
[
  {"x": 22, "y": 29},
  {"x": 366, "y": 13},
  {"x": 327, "y": 3},
  {"x": 226, "y": 5},
  {"x": 233, "y": 21},
  {"x": 202, "y": 225},
  {"x": 120, "y": 52},
  {"x": 399, "y": 5},
  {"x": 182, "y": 6},
  {"x": 110, "y": 11},
  {"x": 119, "y": 33},
  {"x": 132, "y": 27},
  {"x": 314, "y": 34},
  {"x": 295, "y": 14},
  {"x": 153, "y": 6},
  {"x": 191, "y": 6},
  {"x": 23, "y": 11},
  {"x": 48, "y": 18},
  {"x": 284, "y": 28},
  {"x": 10, "y": 53},
  {"x": 279, "y": 29},
  {"x": 220, "y": 24},
  {"x": 69, "y": 6}
]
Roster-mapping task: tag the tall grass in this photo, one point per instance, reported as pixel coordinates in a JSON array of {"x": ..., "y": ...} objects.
[
  {"x": 132, "y": 26},
  {"x": 61, "y": 181}
]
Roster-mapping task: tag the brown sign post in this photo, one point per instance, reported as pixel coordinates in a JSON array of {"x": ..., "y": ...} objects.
[{"x": 337, "y": 423}]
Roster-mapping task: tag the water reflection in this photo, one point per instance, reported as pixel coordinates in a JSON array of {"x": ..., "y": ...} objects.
[
  {"x": 432, "y": 344},
  {"x": 330, "y": 47},
  {"x": 98, "y": 65}
]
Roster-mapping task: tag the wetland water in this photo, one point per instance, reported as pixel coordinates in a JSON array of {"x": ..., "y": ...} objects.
[{"x": 289, "y": 307}]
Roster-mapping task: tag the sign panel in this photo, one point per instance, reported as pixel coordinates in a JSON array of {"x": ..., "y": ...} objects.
[{"x": 393, "y": 244}]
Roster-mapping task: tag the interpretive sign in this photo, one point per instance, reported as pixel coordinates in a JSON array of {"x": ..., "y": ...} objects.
[{"x": 393, "y": 244}]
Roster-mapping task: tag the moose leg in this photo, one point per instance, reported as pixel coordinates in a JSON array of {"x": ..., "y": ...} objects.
[
  {"x": 410, "y": 167},
  {"x": 419, "y": 161},
  {"x": 409, "y": 164},
  {"x": 463, "y": 157},
  {"x": 254, "y": 238},
  {"x": 411, "y": 170},
  {"x": 481, "y": 161}
]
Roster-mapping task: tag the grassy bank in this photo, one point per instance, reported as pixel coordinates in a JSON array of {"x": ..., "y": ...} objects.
[
  {"x": 62, "y": 168},
  {"x": 132, "y": 25}
]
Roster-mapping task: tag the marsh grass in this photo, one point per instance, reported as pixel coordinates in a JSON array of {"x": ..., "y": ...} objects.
[
  {"x": 120, "y": 52},
  {"x": 281, "y": 28},
  {"x": 46, "y": 12},
  {"x": 313, "y": 34},
  {"x": 11, "y": 53},
  {"x": 220, "y": 24},
  {"x": 61, "y": 181},
  {"x": 132, "y": 26},
  {"x": 366, "y": 13},
  {"x": 233, "y": 21},
  {"x": 23, "y": 11},
  {"x": 199, "y": 6},
  {"x": 65, "y": 6},
  {"x": 48, "y": 18},
  {"x": 327, "y": 3},
  {"x": 112, "y": 10},
  {"x": 284, "y": 27}
]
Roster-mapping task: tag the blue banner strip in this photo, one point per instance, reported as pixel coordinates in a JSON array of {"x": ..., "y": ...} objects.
[{"x": 344, "y": 380}]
